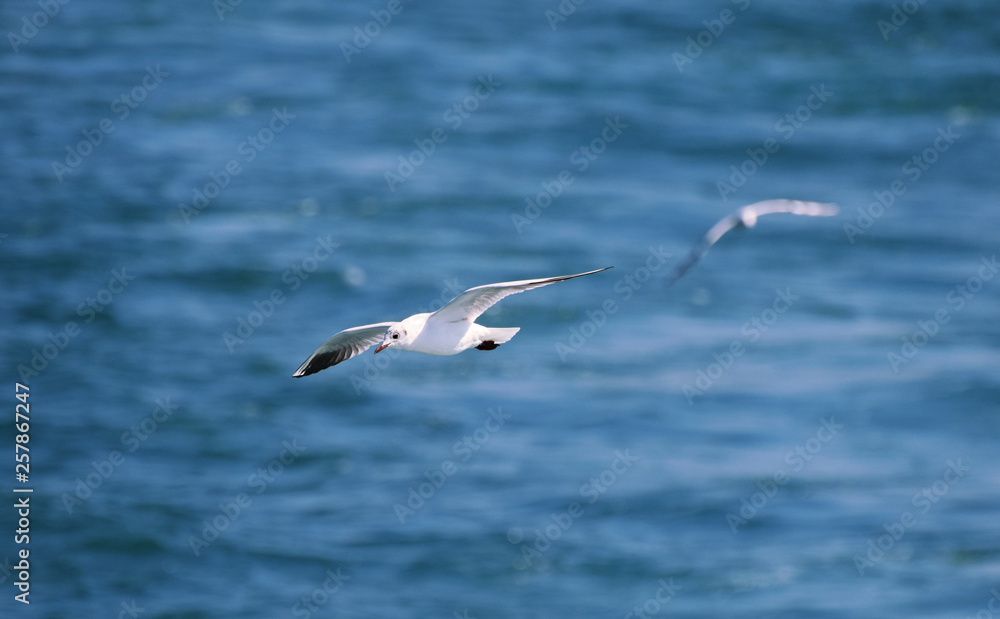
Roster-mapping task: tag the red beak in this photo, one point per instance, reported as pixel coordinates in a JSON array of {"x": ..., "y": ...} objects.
[{"x": 381, "y": 347}]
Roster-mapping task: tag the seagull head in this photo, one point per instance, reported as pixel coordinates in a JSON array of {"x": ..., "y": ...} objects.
[
  {"x": 394, "y": 336},
  {"x": 748, "y": 216}
]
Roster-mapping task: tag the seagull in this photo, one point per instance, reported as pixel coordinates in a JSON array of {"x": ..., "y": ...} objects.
[
  {"x": 746, "y": 217},
  {"x": 448, "y": 331}
]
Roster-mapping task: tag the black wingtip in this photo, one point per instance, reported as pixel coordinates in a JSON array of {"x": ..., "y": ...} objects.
[
  {"x": 311, "y": 366},
  {"x": 678, "y": 273},
  {"x": 319, "y": 362},
  {"x": 592, "y": 272}
]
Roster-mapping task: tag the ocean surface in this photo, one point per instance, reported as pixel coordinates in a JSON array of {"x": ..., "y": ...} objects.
[{"x": 195, "y": 195}]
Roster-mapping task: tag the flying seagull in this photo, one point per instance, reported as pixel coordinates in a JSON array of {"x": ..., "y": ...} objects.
[
  {"x": 746, "y": 217},
  {"x": 448, "y": 331}
]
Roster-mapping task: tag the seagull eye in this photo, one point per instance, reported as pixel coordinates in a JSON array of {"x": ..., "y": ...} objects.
[{"x": 395, "y": 336}]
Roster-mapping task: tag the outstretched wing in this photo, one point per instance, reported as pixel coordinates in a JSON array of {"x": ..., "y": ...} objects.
[
  {"x": 342, "y": 347},
  {"x": 473, "y": 302},
  {"x": 746, "y": 216},
  {"x": 749, "y": 214}
]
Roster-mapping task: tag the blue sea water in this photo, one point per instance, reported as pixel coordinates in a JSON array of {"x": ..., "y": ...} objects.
[{"x": 196, "y": 194}]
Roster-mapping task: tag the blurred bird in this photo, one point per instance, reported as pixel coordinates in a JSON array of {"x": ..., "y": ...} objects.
[{"x": 746, "y": 217}]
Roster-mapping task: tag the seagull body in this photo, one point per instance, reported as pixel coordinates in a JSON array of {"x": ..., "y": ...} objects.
[
  {"x": 448, "y": 331},
  {"x": 437, "y": 337},
  {"x": 746, "y": 217}
]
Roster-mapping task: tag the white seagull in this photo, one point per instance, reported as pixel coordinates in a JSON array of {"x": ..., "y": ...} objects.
[
  {"x": 448, "y": 331},
  {"x": 746, "y": 217}
]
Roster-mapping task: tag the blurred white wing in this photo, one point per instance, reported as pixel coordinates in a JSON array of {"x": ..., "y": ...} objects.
[
  {"x": 342, "y": 347},
  {"x": 746, "y": 216},
  {"x": 796, "y": 207},
  {"x": 473, "y": 302}
]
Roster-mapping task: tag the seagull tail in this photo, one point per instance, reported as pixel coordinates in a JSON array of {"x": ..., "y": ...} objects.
[{"x": 502, "y": 335}]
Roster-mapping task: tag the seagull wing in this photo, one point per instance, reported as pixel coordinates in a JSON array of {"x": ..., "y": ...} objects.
[
  {"x": 342, "y": 347},
  {"x": 796, "y": 207},
  {"x": 473, "y": 302},
  {"x": 747, "y": 216},
  {"x": 714, "y": 233}
]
